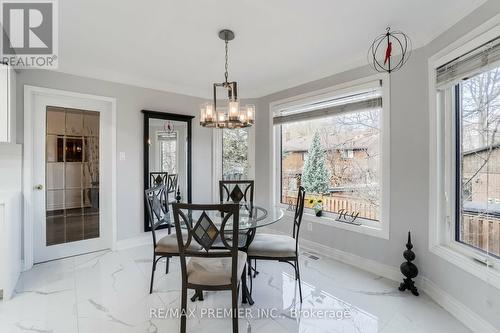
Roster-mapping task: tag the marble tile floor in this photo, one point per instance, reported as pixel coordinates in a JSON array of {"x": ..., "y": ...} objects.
[{"x": 108, "y": 292}]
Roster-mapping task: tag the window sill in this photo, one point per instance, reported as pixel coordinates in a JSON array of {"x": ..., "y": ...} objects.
[
  {"x": 468, "y": 264},
  {"x": 330, "y": 221}
]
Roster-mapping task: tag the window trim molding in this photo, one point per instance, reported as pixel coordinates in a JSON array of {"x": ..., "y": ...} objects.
[
  {"x": 332, "y": 91},
  {"x": 441, "y": 163}
]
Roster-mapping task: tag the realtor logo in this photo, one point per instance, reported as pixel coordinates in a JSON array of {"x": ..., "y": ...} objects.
[{"x": 29, "y": 36}]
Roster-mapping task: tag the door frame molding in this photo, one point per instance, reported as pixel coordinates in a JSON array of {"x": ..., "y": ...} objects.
[{"x": 29, "y": 94}]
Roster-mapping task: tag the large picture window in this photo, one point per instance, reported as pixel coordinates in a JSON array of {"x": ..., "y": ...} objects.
[
  {"x": 335, "y": 144},
  {"x": 335, "y": 158},
  {"x": 478, "y": 161}
]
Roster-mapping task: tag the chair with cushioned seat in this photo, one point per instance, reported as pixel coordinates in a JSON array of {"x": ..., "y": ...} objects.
[
  {"x": 281, "y": 248},
  {"x": 167, "y": 246},
  {"x": 209, "y": 268}
]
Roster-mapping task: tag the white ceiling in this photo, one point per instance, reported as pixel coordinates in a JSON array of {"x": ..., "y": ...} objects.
[{"x": 173, "y": 45}]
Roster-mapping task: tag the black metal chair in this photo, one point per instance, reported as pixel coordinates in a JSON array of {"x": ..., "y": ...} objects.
[
  {"x": 158, "y": 215},
  {"x": 281, "y": 248},
  {"x": 209, "y": 269}
]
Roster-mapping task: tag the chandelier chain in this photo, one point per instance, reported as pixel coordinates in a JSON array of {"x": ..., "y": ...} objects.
[{"x": 226, "y": 64}]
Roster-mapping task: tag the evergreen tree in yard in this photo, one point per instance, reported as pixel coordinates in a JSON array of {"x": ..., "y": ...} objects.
[{"x": 315, "y": 176}]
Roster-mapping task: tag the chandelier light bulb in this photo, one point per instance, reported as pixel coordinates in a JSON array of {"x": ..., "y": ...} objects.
[
  {"x": 234, "y": 110},
  {"x": 250, "y": 113},
  {"x": 209, "y": 111},
  {"x": 203, "y": 115}
]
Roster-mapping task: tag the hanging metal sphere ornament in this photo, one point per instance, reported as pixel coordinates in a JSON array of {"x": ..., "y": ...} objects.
[{"x": 390, "y": 51}]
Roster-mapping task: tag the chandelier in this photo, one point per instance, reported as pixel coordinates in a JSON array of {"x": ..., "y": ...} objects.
[{"x": 232, "y": 116}]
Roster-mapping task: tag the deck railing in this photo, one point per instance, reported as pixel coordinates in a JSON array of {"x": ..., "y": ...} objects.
[{"x": 333, "y": 203}]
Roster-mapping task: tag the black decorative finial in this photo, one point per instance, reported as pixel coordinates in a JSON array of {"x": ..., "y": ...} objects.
[
  {"x": 178, "y": 196},
  {"x": 409, "y": 270}
]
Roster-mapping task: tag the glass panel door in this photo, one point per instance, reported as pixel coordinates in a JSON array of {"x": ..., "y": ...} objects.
[{"x": 72, "y": 175}]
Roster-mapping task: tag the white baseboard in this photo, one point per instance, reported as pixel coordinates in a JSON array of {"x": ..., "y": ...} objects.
[
  {"x": 372, "y": 266},
  {"x": 459, "y": 310}
]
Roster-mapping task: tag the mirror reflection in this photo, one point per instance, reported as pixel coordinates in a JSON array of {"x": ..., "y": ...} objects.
[{"x": 168, "y": 156}]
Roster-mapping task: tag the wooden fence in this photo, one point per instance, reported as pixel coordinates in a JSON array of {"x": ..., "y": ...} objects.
[
  {"x": 482, "y": 232},
  {"x": 334, "y": 203}
]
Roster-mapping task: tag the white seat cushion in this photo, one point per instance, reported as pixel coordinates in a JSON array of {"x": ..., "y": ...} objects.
[
  {"x": 213, "y": 271},
  {"x": 168, "y": 244},
  {"x": 269, "y": 245}
]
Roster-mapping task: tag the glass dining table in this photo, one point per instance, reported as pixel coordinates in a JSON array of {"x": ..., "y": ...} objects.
[{"x": 249, "y": 220}]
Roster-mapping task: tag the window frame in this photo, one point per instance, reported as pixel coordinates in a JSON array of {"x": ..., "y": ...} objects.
[
  {"x": 443, "y": 159},
  {"x": 379, "y": 228}
]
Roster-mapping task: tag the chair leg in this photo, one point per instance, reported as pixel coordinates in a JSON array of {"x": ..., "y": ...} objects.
[
  {"x": 198, "y": 295},
  {"x": 152, "y": 275},
  {"x": 249, "y": 265},
  {"x": 183, "y": 309},
  {"x": 255, "y": 271},
  {"x": 235, "y": 294},
  {"x": 298, "y": 277},
  {"x": 167, "y": 265}
]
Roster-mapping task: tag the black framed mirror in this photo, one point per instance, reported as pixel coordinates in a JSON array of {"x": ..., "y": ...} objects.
[{"x": 167, "y": 155}]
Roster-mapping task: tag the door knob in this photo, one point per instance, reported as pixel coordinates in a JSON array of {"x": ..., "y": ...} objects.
[{"x": 39, "y": 187}]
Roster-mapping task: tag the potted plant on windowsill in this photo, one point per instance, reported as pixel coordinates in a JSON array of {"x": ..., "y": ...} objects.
[{"x": 317, "y": 205}]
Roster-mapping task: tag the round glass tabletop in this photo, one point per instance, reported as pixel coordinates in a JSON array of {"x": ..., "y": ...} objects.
[{"x": 257, "y": 217}]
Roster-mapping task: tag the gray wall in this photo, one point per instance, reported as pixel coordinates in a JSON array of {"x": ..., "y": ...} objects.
[
  {"x": 409, "y": 174},
  {"x": 130, "y": 102}
]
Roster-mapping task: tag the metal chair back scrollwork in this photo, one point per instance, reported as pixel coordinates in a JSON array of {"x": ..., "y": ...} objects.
[
  {"x": 157, "y": 179},
  {"x": 172, "y": 183},
  {"x": 236, "y": 191}
]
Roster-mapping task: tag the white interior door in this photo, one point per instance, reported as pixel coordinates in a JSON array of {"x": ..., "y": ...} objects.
[{"x": 72, "y": 172}]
